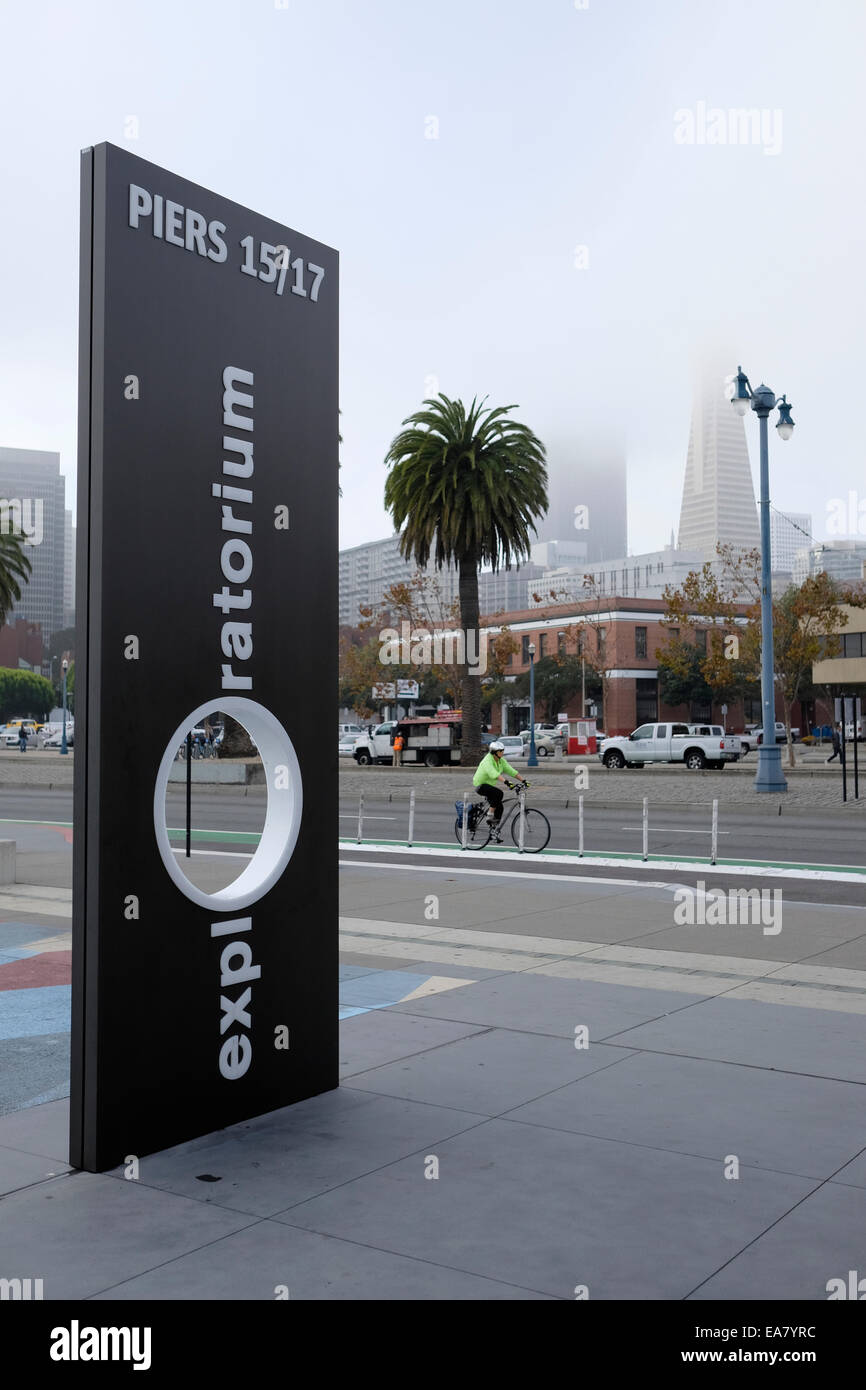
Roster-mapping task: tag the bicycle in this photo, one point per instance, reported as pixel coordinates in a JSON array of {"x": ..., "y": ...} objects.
[{"x": 479, "y": 830}]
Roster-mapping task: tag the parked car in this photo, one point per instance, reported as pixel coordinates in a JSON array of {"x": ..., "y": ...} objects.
[
  {"x": 55, "y": 740},
  {"x": 515, "y": 747},
  {"x": 545, "y": 743},
  {"x": 347, "y": 729},
  {"x": 671, "y": 743},
  {"x": 13, "y": 732},
  {"x": 347, "y": 743},
  {"x": 376, "y": 747},
  {"x": 754, "y": 736}
]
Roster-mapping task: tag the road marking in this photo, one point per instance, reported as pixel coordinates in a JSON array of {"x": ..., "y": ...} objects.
[
  {"x": 673, "y": 830},
  {"x": 214, "y": 853},
  {"x": 353, "y": 815},
  {"x": 754, "y": 868}
]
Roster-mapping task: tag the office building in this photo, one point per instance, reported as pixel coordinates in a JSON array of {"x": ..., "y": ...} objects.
[
  {"x": 842, "y": 560},
  {"x": 32, "y": 498},
  {"x": 789, "y": 532},
  {"x": 368, "y": 571},
  {"x": 69, "y": 571},
  {"x": 718, "y": 502}
]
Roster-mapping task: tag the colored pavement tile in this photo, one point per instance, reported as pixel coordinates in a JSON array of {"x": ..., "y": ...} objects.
[{"x": 36, "y": 970}]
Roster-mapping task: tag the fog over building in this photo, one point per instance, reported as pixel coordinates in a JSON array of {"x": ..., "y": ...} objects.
[{"x": 587, "y": 494}]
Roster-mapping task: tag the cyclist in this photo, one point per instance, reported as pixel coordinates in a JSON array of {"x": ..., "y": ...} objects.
[{"x": 492, "y": 769}]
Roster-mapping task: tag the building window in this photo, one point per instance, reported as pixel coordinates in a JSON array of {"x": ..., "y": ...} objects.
[
  {"x": 701, "y": 644},
  {"x": 563, "y": 641},
  {"x": 640, "y": 642},
  {"x": 852, "y": 644},
  {"x": 524, "y": 650},
  {"x": 601, "y": 635},
  {"x": 649, "y": 570},
  {"x": 675, "y": 633},
  {"x": 542, "y": 644},
  {"x": 646, "y": 701}
]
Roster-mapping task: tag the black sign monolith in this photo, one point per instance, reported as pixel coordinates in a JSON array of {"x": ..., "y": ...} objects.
[{"x": 206, "y": 582}]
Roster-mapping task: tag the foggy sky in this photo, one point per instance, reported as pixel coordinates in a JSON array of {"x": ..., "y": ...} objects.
[{"x": 556, "y": 130}]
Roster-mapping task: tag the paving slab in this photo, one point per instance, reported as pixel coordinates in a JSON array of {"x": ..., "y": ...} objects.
[
  {"x": 550, "y": 1211},
  {"x": 851, "y": 955},
  {"x": 488, "y": 1073},
  {"x": 85, "y": 1232},
  {"x": 813, "y": 1042},
  {"x": 31, "y": 1066},
  {"x": 798, "y": 939},
  {"x": 19, "y": 1170},
  {"x": 369, "y": 1041},
  {"x": 273, "y": 1161},
  {"x": 533, "y": 1004},
  {"x": 268, "y": 1256},
  {"x": 854, "y": 1174},
  {"x": 40, "y": 1129},
  {"x": 767, "y": 1119},
  {"x": 820, "y": 1240}
]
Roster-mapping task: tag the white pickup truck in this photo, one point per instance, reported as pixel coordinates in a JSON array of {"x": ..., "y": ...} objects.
[{"x": 696, "y": 745}]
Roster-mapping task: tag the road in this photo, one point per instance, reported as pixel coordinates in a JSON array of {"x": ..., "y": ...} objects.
[{"x": 40, "y": 819}]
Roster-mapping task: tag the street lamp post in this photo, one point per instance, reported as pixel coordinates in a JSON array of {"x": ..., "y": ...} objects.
[
  {"x": 532, "y": 760},
  {"x": 769, "y": 776},
  {"x": 63, "y": 744}
]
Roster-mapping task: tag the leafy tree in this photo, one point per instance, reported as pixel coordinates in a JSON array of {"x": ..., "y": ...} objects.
[
  {"x": 15, "y": 569},
  {"x": 725, "y": 601},
  {"x": 24, "y": 694},
  {"x": 466, "y": 487},
  {"x": 557, "y": 680}
]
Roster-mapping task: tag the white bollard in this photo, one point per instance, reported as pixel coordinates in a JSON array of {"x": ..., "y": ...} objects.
[
  {"x": 580, "y": 827},
  {"x": 646, "y": 828},
  {"x": 411, "y": 815},
  {"x": 714, "y": 846},
  {"x": 464, "y": 828},
  {"x": 521, "y": 799},
  {"x": 360, "y": 816}
]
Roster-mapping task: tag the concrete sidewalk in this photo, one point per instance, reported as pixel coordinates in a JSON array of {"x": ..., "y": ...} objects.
[{"x": 547, "y": 1085}]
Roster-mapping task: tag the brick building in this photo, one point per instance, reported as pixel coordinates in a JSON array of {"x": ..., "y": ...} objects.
[
  {"x": 630, "y": 632},
  {"x": 21, "y": 645}
]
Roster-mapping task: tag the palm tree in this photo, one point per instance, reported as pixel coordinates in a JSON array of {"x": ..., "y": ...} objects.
[
  {"x": 466, "y": 487},
  {"x": 15, "y": 569}
]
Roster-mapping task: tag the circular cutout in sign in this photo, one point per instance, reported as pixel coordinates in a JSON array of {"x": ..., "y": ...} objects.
[{"x": 282, "y": 817}]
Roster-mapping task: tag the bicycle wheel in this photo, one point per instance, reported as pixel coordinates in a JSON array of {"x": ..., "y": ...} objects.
[
  {"x": 536, "y": 831},
  {"x": 475, "y": 839}
]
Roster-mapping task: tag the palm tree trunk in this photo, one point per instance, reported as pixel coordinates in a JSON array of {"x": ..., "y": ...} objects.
[
  {"x": 472, "y": 749},
  {"x": 236, "y": 741}
]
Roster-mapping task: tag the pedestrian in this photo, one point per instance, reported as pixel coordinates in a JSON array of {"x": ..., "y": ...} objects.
[
  {"x": 398, "y": 749},
  {"x": 837, "y": 745},
  {"x": 22, "y": 739}
]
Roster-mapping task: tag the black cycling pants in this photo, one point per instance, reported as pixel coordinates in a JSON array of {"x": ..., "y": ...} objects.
[{"x": 496, "y": 797}]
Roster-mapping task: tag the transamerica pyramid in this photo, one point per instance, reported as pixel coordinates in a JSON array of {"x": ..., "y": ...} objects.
[{"x": 718, "y": 495}]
